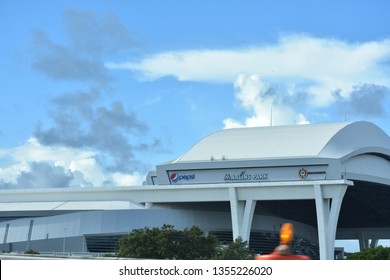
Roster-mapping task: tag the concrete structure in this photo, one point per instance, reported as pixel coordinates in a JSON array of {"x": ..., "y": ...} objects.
[{"x": 331, "y": 180}]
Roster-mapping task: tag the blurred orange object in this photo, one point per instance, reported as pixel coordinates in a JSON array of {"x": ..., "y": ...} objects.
[
  {"x": 283, "y": 250},
  {"x": 286, "y": 233}
]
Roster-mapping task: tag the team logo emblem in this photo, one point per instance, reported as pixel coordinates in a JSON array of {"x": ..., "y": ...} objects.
[{"x": 302, "y": 173}]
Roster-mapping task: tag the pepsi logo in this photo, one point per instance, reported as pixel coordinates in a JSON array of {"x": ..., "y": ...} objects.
[{"x": 174, "y": 178}]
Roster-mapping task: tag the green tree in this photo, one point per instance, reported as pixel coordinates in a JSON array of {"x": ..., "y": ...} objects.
[
  {"x": 188, "y": 244},
  {"x": 377, "y": 253},
  {"x": 167, "y": 243},
  {"x": 32, "y": 252},
  {"x": 193, "y": 244},
  {"x": 236, "y": 250}
]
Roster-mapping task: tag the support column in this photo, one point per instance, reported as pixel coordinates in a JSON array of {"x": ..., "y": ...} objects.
[
  {"x": 374, "y": 243},
  {"x": 236, "y": 211},
  {"x": 29, "y": 234},
  {"x": 322, "y": 209},
  {"x": 363, "y": 241},
  {"x": 249, "y": 212},
  {"x": 328, "y": 210},
  {"x": 242, "y": 215},
  {"x": 148, "y": 205}
]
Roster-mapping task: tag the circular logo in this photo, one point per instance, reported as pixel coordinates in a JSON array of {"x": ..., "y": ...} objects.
[
  {"x": 174, "y": 178},
  {"x": 302, "y": 173}
]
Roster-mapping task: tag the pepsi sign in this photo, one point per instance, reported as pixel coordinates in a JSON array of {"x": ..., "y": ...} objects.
[{"x": 174, "y": 177}]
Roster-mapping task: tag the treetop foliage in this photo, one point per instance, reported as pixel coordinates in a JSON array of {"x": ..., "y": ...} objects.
[
  {"x": 187, "y": 244},
  {"x": 377, "y": 253}
]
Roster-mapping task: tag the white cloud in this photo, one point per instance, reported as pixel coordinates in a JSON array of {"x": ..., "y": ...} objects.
[
  {"x": 316, "y": 65},
  {"x": 80, "y": 166},
  {"x": 32, "y": 150},
  {"x": 134, "y": 179},
  {"x": 265, "y": 105},
  {"x": 91, "y": 170}
]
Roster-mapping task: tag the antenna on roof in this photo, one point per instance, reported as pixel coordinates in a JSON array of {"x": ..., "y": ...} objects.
[
  {"x": 270, "y": 123},
  {"x": 345, "y": 111}
]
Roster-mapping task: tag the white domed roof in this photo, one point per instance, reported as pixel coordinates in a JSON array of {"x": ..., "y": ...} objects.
[{"x": 334, "y": 140}]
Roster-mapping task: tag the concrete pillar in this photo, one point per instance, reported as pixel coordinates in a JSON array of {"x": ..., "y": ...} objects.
[
  {"x": 249, "y": 212},
  {"x": 322, "y": 209},
  {"x": 363, "y": 241},
  {"x": 148, "y": 205},
  {"x": 328, "y": 210},
  {"x": 242, "y": 215},
  {"x": 374, "y": 243}
]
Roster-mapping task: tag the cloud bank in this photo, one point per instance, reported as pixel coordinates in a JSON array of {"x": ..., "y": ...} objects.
[
  {"x": 90, "y": 39},
  {"x": 33, "y": 165},
  {"x": 317, "y": 72},
  {"x": 112, "y": 130},
  {"x": 265, "y": 105},
  {"x": 319, "y": 65},
  {"x": 85, "y": 142}
]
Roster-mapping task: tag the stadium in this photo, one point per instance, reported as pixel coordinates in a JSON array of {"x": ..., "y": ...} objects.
[{"x": 332, "y": 181}]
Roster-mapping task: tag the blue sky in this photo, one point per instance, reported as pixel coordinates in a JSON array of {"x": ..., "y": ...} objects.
[{"x": 96, "y": 93}]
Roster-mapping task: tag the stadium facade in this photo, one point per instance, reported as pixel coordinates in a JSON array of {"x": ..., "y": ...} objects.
[{"x": 332, "y": 181}]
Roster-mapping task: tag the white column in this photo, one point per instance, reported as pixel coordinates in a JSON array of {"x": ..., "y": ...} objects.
[
  {"x": 236, "y": 211},
  {"x": 335, "y": 208},
  {"x": 241, "y": 214},
  {"x": 363, "y": 241},
  {"x": 322, "y": 208},
  {"x": 148, "y": 205},
  {"x": 327, "y": 218},
  {"x": 249, "y": 212},
  {"x": 374, "y": 243}
]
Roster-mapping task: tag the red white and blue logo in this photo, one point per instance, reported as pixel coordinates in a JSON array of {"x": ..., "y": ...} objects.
[{"x": 176, "y": 178}]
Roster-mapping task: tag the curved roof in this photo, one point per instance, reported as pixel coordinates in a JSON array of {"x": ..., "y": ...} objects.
[{"x": 332, "y": 140}]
